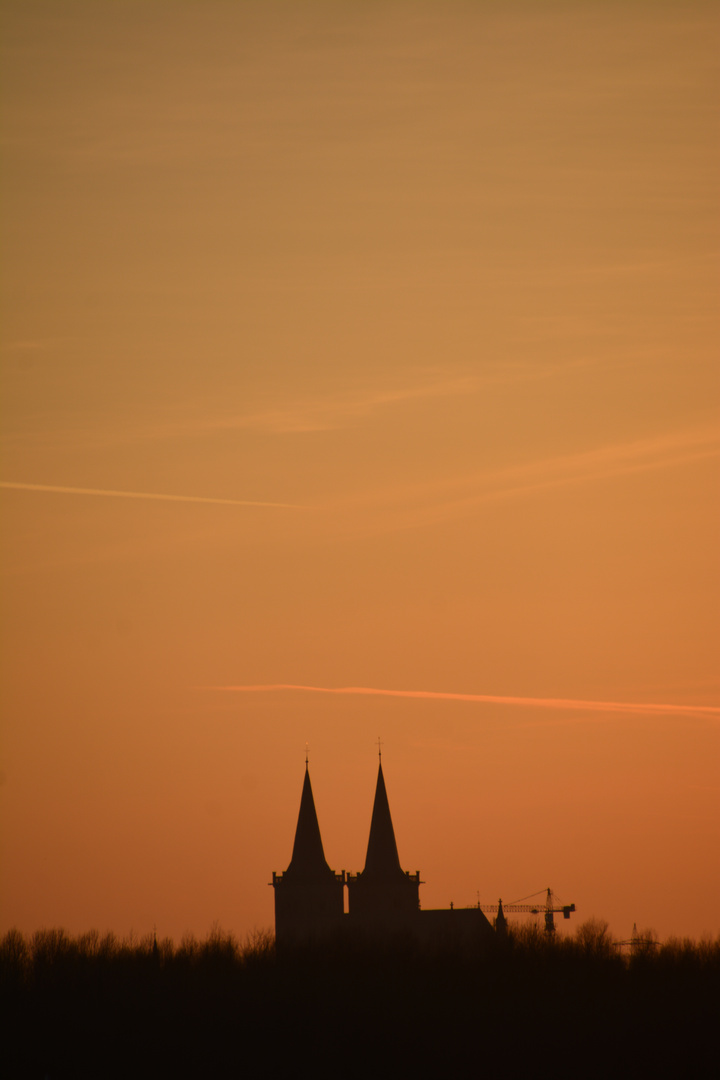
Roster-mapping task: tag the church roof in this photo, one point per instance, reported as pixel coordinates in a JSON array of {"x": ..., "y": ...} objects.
[
  {"x": 308, "y": 856},
  {"x": 382, "y": 858}
]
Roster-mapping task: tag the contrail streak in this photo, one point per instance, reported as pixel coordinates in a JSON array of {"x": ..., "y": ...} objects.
[
  {"x": 642, "y": 708},
  {"x": 144, "y": 495}
]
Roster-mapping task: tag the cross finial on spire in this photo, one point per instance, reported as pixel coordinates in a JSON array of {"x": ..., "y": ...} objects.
[
  {"x": 306, "y": 757},
  {"x": 379, "y": 749}
]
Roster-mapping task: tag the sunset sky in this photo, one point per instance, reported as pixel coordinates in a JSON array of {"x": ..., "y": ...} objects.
[{"x": 367, "y": 345}]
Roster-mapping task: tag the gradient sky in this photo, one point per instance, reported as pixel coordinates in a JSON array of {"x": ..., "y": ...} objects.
[{"x": 359, "y": 345}]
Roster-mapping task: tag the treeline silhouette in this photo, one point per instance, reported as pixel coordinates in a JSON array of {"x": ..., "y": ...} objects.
[{"x": 579, "y": 1006}]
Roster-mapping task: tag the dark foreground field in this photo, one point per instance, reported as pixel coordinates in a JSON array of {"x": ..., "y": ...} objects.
[{"x": 96, "y": 1006}]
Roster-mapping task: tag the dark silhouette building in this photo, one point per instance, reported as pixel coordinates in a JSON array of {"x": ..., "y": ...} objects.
[
  {"x": 309, "y": 895},
  {"x": 383, "y": 899},
  {"x": 383, "y": 896}
]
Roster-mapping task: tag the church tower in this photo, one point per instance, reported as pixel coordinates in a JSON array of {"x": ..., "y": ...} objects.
[
  {"x": 384, "y": 897},
  {"x": 309, "y": 895}
]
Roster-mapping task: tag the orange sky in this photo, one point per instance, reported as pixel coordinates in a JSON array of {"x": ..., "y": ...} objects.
[{"x": 397, "y": 325}]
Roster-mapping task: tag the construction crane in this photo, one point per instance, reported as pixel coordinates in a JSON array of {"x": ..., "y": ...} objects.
[{"x": 549, "y": 909}]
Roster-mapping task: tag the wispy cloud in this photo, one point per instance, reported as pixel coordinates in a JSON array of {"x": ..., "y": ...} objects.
[
  {"x": 577, "y": 705},
  {"x": 424, "y": 503},
  {"x": 26, "y": 345},
  {"x": 55, "y": 489},
  {"x": 330, "y": 413},
  {"x": 605, "y": 462},
  {"x": 333, "y": 411}
]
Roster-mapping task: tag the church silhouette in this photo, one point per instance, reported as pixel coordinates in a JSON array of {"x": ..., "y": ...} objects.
[{"x": 383, "y": 899}]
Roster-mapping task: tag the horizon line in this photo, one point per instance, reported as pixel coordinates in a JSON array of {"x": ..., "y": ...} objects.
[{"x": 642, "y": 708}]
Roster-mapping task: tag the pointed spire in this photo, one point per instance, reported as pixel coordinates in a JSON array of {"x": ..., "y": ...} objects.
[
  {"x": 308, "y": 856},
  {"x": 382, "y": 855}
]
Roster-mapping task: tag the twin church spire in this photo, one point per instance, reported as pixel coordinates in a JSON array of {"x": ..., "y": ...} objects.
[
  {"x": 309, "y": 896},
  {"x": 308, "y": 856}
]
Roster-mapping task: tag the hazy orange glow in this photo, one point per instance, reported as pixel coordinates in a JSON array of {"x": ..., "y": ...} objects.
[{"x": 346, "y": 347}]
